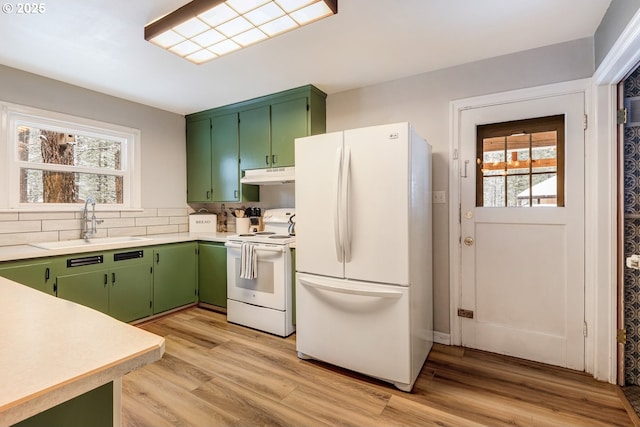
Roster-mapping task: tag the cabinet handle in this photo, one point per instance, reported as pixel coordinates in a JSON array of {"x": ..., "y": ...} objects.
[
  {"x": 274, "y": 159},
  {"x": 47, "y": 274},
  {"x": 208, "y": 194},
  {"x": 266, "y": 159},
  {"x": 105, "y": 279},
  {"x": 157, "y": 258},
  {"x": 113, "y": 278},
  {"x": 235, "y": 194}
]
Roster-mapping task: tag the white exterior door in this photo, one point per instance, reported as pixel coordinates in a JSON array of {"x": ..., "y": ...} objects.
[{"x": 522, "y": 268}]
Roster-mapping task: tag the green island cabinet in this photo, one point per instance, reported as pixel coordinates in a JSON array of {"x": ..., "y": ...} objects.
[
  {"x": 174, "y": 276},
  {"x": 118, "y": 283},
  {"x": 254, "y": 134},
  {"x": 35, "y": 273},
  {"x": 212, "y": 273},
  {"x": 94, "y": 408}
]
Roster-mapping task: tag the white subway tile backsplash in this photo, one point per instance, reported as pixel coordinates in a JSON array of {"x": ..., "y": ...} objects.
[
  {"x": 117, "y": 222},
  {"x": 30, "y": 227},
  {"x": 30, "y": 216},
  {"x": 60, "y": 224},
  {"x": 139, "y": 214},
  {"x": 163, "y": 229},
  {"x": 20, "y": 226},
  {"x": 157, "y": 220},
  {"x": 173, "y": 212},
  {"x": 9, "y": 239},
  {"x": 127, "y": 231},
  {"x": 179, "y": 220},
  {"x": 7, "y": 216}
]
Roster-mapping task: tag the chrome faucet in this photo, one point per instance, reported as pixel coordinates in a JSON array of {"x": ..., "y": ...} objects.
[{"x": 86, "y": 232}]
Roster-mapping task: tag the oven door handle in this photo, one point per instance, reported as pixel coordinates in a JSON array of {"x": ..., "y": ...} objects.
[{"x": 234, "y": 245}]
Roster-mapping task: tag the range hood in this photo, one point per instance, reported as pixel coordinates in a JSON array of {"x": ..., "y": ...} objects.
[{"x": 269, "y": 176}]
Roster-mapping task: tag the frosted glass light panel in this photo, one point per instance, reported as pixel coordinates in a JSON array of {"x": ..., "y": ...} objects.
[
  {"x": 521, "y": 163},
  {"x": 63, "y": 167},
  {"x": 232, "y": 25}
]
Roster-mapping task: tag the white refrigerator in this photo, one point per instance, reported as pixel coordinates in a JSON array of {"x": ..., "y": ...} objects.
[{"x": 364, "y": 298}]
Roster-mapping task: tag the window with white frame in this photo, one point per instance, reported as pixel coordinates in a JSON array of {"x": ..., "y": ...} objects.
[{"x": 57, "y": 161}]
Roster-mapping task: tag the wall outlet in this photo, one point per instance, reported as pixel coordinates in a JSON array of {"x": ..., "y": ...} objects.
[{"x": 439, "y": 197}]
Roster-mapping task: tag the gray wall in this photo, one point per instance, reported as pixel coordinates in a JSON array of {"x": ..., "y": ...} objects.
[
  {"x": 163, "y": 153},
  {"x": 424, "y": 101},
  {"x": 613, "y": 23}
]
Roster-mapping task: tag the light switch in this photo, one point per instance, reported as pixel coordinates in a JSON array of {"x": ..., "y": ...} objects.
[{"x": 439, "y": 197}]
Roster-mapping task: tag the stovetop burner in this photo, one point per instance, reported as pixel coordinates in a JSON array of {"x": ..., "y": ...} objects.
[
  {"x": 280, "y": 236},
  {"x": 264, "y": 233}
]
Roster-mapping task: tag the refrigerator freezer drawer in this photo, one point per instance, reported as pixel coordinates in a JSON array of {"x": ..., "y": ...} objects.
[{"x": 360, "y": 326}]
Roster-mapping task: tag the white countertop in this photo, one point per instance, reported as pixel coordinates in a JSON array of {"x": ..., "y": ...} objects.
[
  {"x": 53, "y": 350},
  {"x": 11, "y": 253}
]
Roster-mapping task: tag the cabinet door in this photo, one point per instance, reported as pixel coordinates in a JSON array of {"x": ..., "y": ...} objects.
[
  {"x": 199, "y": 161},
  {"x": 90, "y": 289},
  {"x": 174, "y": 276},
  {"x": 33, "y": 273},
  {"x": 254, "y": 138},
  {"x": 225, "y": 170},
  {"x": 212, "y": 273},
  {"x": 130, "y": 293},
  {"x": 288, "y": 122}
]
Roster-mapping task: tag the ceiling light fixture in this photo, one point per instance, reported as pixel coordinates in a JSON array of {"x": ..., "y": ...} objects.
[{"x": 206, "y": 29}]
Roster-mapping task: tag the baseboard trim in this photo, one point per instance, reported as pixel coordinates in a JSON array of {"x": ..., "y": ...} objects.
[{"x": 441, "y": 338}]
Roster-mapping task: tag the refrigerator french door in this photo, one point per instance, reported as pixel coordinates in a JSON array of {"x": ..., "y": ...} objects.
[
  {"x": 363, "y": 257},
  {"x": 352, "y": 187}
]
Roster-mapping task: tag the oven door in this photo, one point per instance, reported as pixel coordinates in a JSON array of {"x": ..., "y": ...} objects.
[{"x": 272, "y": 280}]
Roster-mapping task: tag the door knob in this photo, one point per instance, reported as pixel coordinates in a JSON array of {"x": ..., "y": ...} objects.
[{"x": 468, "y": 241}]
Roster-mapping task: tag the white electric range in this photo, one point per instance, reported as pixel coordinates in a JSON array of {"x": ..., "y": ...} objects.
[{"x": 263, "y": 300}]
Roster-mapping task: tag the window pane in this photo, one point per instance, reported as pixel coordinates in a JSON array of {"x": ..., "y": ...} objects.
[
  {"x": 37, "y": 186},
  {"x": 494, "y": 191},
  {"x": 544, "y": 151},
  {"x": 521, "y": 163},
  {"x": 47, "y": 146}
]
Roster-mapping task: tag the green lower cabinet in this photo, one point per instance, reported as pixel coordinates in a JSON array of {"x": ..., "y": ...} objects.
[
  {"x": 37, "y": 274},
  {"x": 174, "y": 276},
  {"x": 212, "y": 274},
  {"x": 118, "y": 283},
  {"x": 90, "y": 289},
  {"x": 130, "y": 292},
  {"x": 94, "y": 408}
]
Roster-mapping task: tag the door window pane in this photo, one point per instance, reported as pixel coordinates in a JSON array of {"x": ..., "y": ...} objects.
[{"x": 521, "y": 163}]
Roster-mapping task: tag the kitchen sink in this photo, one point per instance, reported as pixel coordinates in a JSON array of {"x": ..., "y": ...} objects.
[{"x": 81, "y": 243}]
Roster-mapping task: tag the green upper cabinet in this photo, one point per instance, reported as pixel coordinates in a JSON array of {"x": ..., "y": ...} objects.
[
  {"x": 199, "y": 164},
  {"x": 288, "y": 122},
  {"x": 35, "y": 273},
  {"x": 255, "y": 132},
  {"x": 225, "y": 170}
]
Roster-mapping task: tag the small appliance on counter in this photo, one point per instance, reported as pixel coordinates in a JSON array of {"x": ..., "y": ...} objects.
[{"x": 202, "y": 222}]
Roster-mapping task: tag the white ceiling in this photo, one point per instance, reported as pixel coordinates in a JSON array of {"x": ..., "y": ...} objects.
[{"x": 99, "y": 44}]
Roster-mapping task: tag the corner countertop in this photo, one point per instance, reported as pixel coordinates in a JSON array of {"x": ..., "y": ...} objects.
[
  {"x": 51, "y": 352},
  {"x": 18, "y": 252}
]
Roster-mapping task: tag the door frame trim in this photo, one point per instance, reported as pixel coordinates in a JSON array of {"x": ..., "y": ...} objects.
[{"x": 455, "y": 170}]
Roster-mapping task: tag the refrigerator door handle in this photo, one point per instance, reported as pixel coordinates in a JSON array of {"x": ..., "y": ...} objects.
[
  {"x": 351, "y": 291},
  {"x": 345, "y": 215},
  {"x": 337, "y": 235}
]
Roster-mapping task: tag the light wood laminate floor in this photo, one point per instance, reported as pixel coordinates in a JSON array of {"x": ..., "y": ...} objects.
[{"x": 219, "y": 374}]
